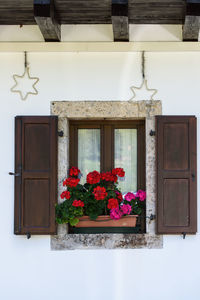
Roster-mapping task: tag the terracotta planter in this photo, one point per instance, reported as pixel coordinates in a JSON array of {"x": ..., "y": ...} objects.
[{"x": 106, "y": 221}]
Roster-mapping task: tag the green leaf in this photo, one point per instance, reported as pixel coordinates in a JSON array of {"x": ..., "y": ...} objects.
[{"x": 74, "y": 222}]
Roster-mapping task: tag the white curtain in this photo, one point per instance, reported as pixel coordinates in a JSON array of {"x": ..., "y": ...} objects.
[
  {"x": 88, "y": 151},
  {"x": 126, "y": 157}
]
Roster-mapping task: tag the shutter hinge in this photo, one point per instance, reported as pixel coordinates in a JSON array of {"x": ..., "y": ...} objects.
[
  {"x": 60, "y": 133},
  {"x": 151, "y": 217},
  {"x": 152, "y": 133}
]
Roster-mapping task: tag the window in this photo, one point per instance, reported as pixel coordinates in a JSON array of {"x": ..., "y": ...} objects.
[{"x": 102, "y": 145}]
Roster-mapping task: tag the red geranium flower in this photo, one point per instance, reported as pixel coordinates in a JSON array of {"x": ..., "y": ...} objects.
[
  {"x": 93, "y": 177},
  {"x": 78, "y": 203},
  {"x": 119, "y": 172},
  {"x": 112, "y": 203},
  {"x": 65, "y": 194},
  {"x": 71, "y": 182},
  {"x": 108, "y": 176},
  {"x": 74, "y": 171},
  {"x": 119, "y": 196},
  {"x": 100, "y": 193}
]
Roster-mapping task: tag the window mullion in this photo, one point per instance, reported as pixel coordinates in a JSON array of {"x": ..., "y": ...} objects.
[{"x": 108, "y": 148}]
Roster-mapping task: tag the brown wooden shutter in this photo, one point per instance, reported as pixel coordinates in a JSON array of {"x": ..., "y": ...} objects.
[
  {"x": 176, "y": 174},
  {"x": 35, "y": 174}
]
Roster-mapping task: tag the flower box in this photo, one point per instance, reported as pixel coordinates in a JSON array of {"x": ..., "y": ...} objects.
[
  {"x": 98, "y": 202},
  {"x": 106, "y": 221}
]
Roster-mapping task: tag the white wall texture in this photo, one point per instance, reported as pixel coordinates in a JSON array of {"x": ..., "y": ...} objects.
[
  {"x": 92, "y": 33},
  {"x": 29, "y": 270}
]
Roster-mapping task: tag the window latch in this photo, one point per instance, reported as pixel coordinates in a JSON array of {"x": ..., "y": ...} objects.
[
  {"x": 28, "y": 235},
  {"x": 152, "y": 133}
]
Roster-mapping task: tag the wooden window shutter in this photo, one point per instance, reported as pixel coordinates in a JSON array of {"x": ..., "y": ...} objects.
[
  {"x": 35, "y": 174},
  {"x": 176, "y": 174}
]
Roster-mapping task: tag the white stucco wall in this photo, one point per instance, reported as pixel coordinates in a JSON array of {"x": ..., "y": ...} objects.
[{"x": 28, "y": 269}]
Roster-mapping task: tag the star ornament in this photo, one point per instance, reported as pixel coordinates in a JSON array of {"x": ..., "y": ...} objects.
[
  {"x": 143, "y": 92},
  {"x": 25, "y": 84}
]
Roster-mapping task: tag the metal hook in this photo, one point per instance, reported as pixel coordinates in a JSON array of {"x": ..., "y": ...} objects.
[
  {"x": 184, "y": 235},
  {"x": 14, "y": 174},
  {"x": 143, "y": 65},
  {"x": 25, "y": 59}
]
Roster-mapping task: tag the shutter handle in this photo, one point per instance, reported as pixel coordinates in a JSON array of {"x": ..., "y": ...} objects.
[
  {"x": 193, "y": 177},
  {"x": 14, "y": 174}
]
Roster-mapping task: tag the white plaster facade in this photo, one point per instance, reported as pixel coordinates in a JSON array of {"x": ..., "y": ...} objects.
[{"x": 28, "y": 268}]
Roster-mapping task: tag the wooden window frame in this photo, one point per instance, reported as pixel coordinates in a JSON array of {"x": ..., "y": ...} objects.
[
  {"x": 107, "y": 143},
  {"x": 107, "y": 162}
]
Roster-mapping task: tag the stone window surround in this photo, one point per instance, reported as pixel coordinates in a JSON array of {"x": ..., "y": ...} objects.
[{"x": 121, "y": 110}]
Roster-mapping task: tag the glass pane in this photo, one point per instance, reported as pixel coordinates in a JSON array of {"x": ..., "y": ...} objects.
[
  {"x": 126, "y": 157},
  {"x": 88, "y": 151}
]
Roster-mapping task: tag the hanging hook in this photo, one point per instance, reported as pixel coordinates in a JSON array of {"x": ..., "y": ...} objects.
[
  {"x": 25, "y": 59},
  {"x": 143, "y": 65}
]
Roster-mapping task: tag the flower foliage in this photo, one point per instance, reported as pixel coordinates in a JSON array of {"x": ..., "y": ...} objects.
[{"x": 98, "y": 196}]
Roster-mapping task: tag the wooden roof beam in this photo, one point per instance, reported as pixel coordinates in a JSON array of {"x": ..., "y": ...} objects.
[
  {"x": 45, "y": 17},
  {"x": 191, "y": 26},
  {"x": 120, "y": 21}
]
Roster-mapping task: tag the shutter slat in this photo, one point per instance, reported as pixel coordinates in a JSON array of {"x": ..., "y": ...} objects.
[
  {"x": 176, "y": 174},
  {"x": 36, "y": 161}
]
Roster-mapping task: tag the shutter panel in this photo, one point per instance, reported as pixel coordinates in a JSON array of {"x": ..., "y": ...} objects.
[
  {"x": 176, "y": 174},
  {"x": 36, "y": 174}
]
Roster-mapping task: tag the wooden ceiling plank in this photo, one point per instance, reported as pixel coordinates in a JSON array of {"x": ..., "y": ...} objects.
[
  {"x": 15, "y": 12},
  {"x": 45, "y": 17},
  {"x": 120, "y": 21},
  {"x": 191, "y": 26}
]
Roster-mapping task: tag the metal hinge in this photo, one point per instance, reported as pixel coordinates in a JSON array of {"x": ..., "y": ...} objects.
[
  {"x": 60, "y": 133},
  {"x": 152, "y": 133},
  {"x": 151, "y": 217}
]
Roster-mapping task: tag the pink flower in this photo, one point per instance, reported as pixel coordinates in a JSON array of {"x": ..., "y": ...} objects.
[
  {"x": 129, "y": 196},
  {"x": 141, "y": 195},
  {"x": 115, "y": 213},
  {"x": 126, "y": 209}
]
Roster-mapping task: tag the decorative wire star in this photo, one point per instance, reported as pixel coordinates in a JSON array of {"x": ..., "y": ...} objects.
[
  {"x": 143, "y": 87},
  {"x": 19, "y": 80}
]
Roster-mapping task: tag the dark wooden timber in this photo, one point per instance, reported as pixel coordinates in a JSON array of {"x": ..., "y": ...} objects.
[
  {"x": 36, "y": 179},
  {"x": 176, "y": 174},
  {"x": 45, "y": 17},
  {"x": 120, "y": 20},
  {"x": 192, "y": 21},
  {"x": 15, "y": 12}
]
